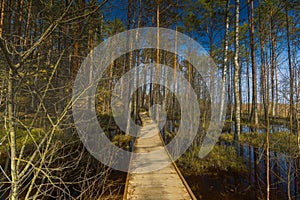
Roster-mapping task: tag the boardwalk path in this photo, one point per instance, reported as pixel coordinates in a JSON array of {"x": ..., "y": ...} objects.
[{"x": 166, "y": 183}]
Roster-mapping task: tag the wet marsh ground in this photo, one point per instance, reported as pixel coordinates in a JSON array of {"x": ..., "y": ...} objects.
[{"x": 239, "y": 171}]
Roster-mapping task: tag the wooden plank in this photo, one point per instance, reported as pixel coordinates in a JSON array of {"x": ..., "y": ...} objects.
[{"x": 164, "y": 183}]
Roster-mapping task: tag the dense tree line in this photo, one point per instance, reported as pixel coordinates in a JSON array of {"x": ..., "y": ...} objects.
[{"x": 255, "y": 45}]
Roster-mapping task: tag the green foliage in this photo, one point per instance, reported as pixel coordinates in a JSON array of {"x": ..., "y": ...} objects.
[
  {"x": 22, "y": 137},
  {"x": 113, "y": 27},
  {"x": 122, "y": 141},
  {"x": 221, "y": 158},
  {"x": 227, "y": 137},
  {"x": 279, "y": 141}
]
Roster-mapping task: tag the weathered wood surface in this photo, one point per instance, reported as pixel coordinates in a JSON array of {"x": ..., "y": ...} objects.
[{"x": 162, "y": 184}]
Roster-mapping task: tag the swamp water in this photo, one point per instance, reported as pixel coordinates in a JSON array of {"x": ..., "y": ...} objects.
[{"x": 219, "y": 185}]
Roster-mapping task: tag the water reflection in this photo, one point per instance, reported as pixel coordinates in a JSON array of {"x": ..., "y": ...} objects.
[
  {"x": 251, "y": 185},
  {"x": 255, "y": 160},
  {"x": 273, "y": 129}
]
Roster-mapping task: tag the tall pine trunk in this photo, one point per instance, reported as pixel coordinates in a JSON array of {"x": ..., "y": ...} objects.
[{"x": 253, "y": 63}]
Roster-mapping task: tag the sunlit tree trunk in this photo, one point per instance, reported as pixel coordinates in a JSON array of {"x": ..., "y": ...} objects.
[
  {"x": 133, "y": 64},
  {"x": 2, "y": 17},
  {"x": 175, "y": 61},
  {"x": 267, "y": 155},
  {"x": 240, "y": 90},
  {"x": 276, "y": 90},
  {"x": 130, "y": 66},
  {"x": 75, "y": 62},
  {"x": 230, "y": 98},
  {"x": 265, "y": 98},
  {"x": 12, "y": 136},
  {"x": 274, "y": 80},
  {"x": 152, "y": 74},
  {"x": 225, "y": 60},
  {"x": 248, "y": 87},
  {"x": 211, "y": 43},
  {"x": 27, "y": 24},
  {"x": 157, "y": 58},
  {"x": 137, "y": 99},
  {"x": 263, "y": 70},
  {"x": 294, "y": 56},
  {"x": 236, "y": 75},
  {"x": 91, "y": 45}
]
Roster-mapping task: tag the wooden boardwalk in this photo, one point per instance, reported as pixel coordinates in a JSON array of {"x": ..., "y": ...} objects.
[{"x": 162, "y": 184}]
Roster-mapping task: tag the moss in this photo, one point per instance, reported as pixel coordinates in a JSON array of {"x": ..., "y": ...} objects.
[
  {"x": 122, "y": 141},
  {"x": 221, "y": 158},
  {"x": 227, "y": 137},
  {"x": 22, "y": 137},
  {"x": 279, "y": 141},
  {"x": 37, "y": 131}
]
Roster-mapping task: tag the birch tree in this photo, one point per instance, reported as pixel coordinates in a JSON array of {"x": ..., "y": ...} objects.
[{"x": 237, "y": 97}]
